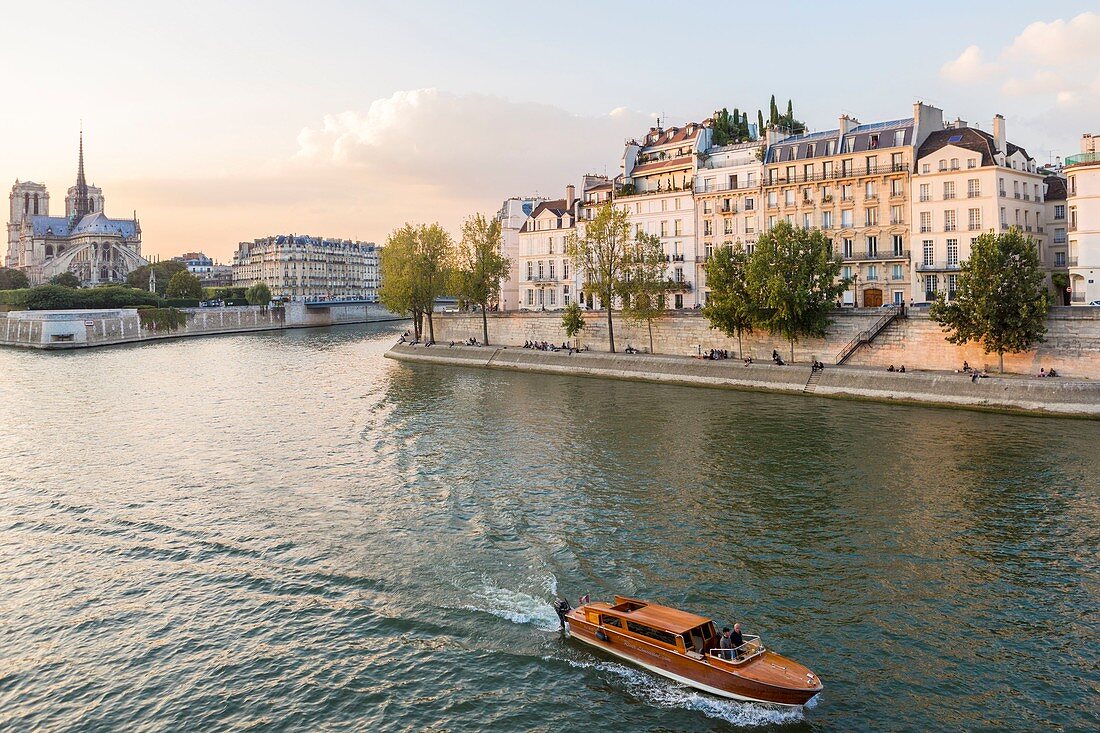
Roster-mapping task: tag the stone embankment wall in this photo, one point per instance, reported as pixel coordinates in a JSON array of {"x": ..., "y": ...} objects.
[
  {"x": 85, "y": 328},
  {"x": 682, "y": 333},
  {"x": 1052, "y": 396},
  {"x": 1072, "y": 346}
]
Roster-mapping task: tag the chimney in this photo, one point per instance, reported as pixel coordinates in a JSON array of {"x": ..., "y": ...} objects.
[
  {"x": 772, "y": 135},
  {"x": 999, "y": 133},
  {"x": 847, "y": 123},
  {"x": 959, "y": 123},
  {"x": 926, "y": 119},
  {"x": 570, "y": 192}
]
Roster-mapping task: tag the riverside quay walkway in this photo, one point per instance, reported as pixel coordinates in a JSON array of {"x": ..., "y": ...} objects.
[{"x": 1054, "y": 396}]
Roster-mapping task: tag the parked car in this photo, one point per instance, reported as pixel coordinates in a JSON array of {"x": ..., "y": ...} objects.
[{"x": 1095, "y": 302}]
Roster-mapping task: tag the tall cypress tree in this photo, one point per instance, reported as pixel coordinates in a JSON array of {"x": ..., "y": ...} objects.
[{"x": 773, "y": 114}]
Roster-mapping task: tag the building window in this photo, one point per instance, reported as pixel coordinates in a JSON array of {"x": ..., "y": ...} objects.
[
  {"x": 872, "y": 246},
  {"x": 1059, "y": 259},
  {"x": 1059, "y": 211},
  {"x": 952, "y": 253},
  {"x": 974, "y": 219},
  {"x": 926, "y": 221},
  {"x": 846, "y": 218},
  {"x": 895, "y": 215},
  {"x": 826, "y": 220},
  {"x": 530, "y": 297},
  {"x": 847, "y": 248},
  {"x": 973, "y": 188},
  {"x": 530, "y": 269},
  {"x": 929, "y": 252},
  {"x": 552, "y": 270},
  {"x": 949, "y": 189},
  {"x": 872, "y": 272},
  {"x": 949, "y": 220},
  {"x": 898, "y": 245},
  {"x": 896, "y": 272},
  {"x": 871, "y": 217},
  {"x": 869, "y": 189},
  {"x": 926, "y": 192}
]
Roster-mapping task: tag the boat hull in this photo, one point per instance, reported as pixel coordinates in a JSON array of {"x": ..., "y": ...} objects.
[{"x": 694, "y": 673}]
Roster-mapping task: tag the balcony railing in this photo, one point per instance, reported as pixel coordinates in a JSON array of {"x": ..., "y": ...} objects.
[
  {"x": 1003, "y": 194},
  {"x": 876, "y": 170},
  {"x": 876, "y": 255},
  {"x": 937, "y": 267},
  {"x": 718, "y": 187},
  {"x": 1082, "y": 158},
  {"x": 973, "y": 194}
]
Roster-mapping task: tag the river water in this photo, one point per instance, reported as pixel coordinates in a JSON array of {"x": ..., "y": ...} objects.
[{"x": 287, "y": 532}]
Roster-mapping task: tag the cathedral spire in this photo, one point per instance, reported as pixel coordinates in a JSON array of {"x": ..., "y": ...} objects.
[{"x": 81, "y": 204}]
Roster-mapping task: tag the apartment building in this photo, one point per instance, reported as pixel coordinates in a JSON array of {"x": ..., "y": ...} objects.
[
  {"x": 1083, "y": 228},
  {"x": 727, "y": 203},
  {"x": 657, "y": 190},
  {"x": 512, "y": 215},
  {"x": 546, "y": 277},
  {"x": 853, "y": 183},
  {"x": 307, "y": 268},
  {"x": 1054, "y": 231},
  {"x": 969, "y": 181}
]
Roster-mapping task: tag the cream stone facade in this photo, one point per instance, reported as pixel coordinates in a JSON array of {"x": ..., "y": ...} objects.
[
  {"x": 968, "y": 182},
  {"x": 1083, "y": 203},
  {"x": 302, "y": 268},
  {"x": 727, "y": 203},
  {"x": 853, "y": 183},
  {"x": 657, "y": 190},
  {"x": 546, "y": 277},
  {"x": 1055, "y": 222},
  {"x": 512, "y": 215}
]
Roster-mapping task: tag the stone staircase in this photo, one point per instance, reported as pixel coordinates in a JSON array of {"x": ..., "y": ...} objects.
[{"x": 811, "y": 383}]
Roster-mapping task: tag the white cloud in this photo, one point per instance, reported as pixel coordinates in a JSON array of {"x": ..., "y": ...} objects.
[
  {"x": 470, "y": 143},
  {"x": 1041, "y": 82},
  {"x": 1059, "y": 43},
  {"x": 969, "y": 67}
]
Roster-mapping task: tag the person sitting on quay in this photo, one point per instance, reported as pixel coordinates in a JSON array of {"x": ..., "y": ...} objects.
[
  {"x": 890, "y": 368},
  {"x": 748, "y": 361},
  {"x": 966, "y": 367},
  {"x": 902, "y": 370},
  {"x": 1052, "y": 372},
  {"x": 1042, "y": 373}
]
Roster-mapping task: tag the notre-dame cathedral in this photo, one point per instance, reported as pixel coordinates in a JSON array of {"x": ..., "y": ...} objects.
[{"x": 85, "y": 241}]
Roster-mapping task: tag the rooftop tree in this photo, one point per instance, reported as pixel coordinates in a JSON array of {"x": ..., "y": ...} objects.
[
  {"x": 1001, "y": 301},
  {"x": 480, "y": 265},
  {"x": 600, "y": 257}
]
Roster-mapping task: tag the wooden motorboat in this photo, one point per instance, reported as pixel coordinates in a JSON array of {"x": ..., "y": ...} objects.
[{"x": 685, "y": 647}]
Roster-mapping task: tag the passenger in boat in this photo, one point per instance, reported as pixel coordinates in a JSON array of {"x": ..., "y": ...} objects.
[
  {"x": 737, "y": 639},
  {"x": 726, "y": 643}
]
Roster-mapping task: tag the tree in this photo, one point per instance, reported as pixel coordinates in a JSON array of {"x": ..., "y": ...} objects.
[
  {"x": 793, "y": 278},
  {"x": 12, "y": 279},
  {"x": 258, "y": 294},
  {"x": 480, "y": 265},
  {"x": 66, "y": 279},
  {"x": 139, "y": 277},
  {"x": 644, "y": 286},
  {"x": 1001, "y": 301},
  {"x": 398, "y": 292},
  {"x": 599, "y": 257},
  {"x": 432, "y": 268},
  {"x": 184, "y": 286},
  {"x": 773, "y": 113},
  {"x": 760, "y": 123},
  {"x": 723, "y": 128},
  {"x": 572, "y": 320},
  {"x": 730, "y": 306}
]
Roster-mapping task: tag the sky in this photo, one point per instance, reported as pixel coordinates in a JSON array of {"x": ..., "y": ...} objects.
[{"x": 220, "y": 122}]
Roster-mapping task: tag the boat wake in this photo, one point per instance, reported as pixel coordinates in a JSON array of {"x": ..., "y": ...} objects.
[
  {"x": 516, "y": 606},
  {"x": 666, "y": 694}
]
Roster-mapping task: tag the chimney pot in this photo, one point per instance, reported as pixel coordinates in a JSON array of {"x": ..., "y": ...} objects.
[{"x": 999, "y": 137}]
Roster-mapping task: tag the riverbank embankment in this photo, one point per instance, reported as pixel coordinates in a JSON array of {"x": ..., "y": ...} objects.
[
  {"x": 1013, "y": 393},
  {"x": 75, "y": 329}
]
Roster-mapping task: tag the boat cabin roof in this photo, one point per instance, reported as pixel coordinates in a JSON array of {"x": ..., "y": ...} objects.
[{"x": 651, "y": 614}]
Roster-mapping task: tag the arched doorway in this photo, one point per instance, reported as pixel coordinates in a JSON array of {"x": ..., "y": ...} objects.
[{"x": 872, "y": 298}]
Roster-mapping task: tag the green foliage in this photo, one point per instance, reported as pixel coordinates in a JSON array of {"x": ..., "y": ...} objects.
[
  {"x": 12, "y": 279},
  {"x": 785, "y": 122},
  {"x": 793, "y": 280},
  {"x": 572, "y": 320},
  {"x": 760, "y": 123},
  {"x": 184, "y": 285},
  {"x": 480, "y": 266},
  {"x": 161, "y": 319},
  {"x": 643, "y": 286},
  {"x": 226, "y": 293},
  {"x": 730, "y": 308},
  {"x": 1001, "y": 302},
  {"x": 729, "y": 128},
  {"x": 66, "y": 279},
  {"x": 600, "y": 257},
  {"x": 59, "y": 297},
  {"x": 139, "y": 278},
  {"x": 417, "y": 267},
  {"x": 258, "y": 294}
]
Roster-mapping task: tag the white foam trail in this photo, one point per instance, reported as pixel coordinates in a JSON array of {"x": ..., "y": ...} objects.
[
  {"x": 516, "y": 606},
  {"x": 668, "y": 694}
]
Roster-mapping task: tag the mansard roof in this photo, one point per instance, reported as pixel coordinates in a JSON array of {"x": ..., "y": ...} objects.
[
  {"x": 556, "y": 207},
  {"x": 1056, "y": 188},
  {"x": 860, "y": 137},
  {"x": 967, "y": 138}
]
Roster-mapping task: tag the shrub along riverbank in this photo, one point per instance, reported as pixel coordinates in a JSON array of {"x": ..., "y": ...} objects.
[{"x": 60, "y": 297}]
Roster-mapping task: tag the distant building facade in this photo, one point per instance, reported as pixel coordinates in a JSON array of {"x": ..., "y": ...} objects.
[
  {"x": 1083, "y": 228},
  {"x": 197, "y": 263},
  {"x": 512, "y": 215},
  {"x": 304, "y": 268},
  {"x": 85, "y": 241}
]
